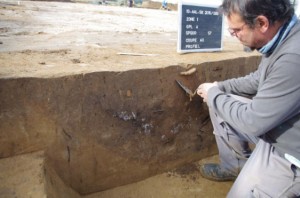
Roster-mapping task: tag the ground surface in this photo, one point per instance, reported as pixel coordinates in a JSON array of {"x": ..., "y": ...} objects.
[
  {"x": 50, "y": 39},
  {"x": 55, "y": 39}
]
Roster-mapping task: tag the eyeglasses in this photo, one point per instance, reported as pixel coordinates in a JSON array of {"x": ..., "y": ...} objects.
[{"x": 235, "y": 31}]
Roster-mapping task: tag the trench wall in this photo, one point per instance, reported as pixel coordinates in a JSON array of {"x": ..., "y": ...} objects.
[{"x": 105, "y": 129}]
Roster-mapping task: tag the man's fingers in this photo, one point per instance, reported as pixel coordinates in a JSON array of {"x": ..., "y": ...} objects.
[
  {"x": 199, "y": 92},
  {"x": 203, "y": 89}
]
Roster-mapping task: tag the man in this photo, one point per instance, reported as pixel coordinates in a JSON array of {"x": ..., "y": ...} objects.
[
  {"x": 164, "y": 5},
  {"x": 261, "y": 108}
]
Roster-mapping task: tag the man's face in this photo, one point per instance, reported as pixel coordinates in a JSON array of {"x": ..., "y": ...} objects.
[{"x": 250, "y": 37}]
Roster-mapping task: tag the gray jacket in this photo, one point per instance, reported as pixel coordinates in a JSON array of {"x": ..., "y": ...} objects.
[{"x": 275, "y": 87}]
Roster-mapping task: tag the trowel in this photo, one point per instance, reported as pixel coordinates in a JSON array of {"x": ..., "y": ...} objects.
[{"x": 187, "y": 90}]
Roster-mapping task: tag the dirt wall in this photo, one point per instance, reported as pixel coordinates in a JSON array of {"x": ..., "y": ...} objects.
[{"x": 106, "y": 129}]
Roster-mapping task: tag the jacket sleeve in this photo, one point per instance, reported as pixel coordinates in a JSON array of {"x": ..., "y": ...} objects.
[
  {"x": 277, "y": 98},
  {"x": 243, "y": 86}
]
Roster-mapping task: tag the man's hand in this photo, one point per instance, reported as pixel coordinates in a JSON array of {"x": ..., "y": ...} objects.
[{"x": 203, "y": 89}]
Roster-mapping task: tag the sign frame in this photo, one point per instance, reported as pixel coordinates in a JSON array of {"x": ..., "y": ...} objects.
[{"x": 196, "y": 45}]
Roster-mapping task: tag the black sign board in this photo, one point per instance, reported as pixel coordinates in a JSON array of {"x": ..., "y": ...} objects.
[{"x": 200, "y": 28}]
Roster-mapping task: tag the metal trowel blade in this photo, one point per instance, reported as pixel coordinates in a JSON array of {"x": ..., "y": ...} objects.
[{"x": 187, "y": 90}]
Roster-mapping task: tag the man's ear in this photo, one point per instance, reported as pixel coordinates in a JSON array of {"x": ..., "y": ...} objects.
[{"x": 262, "y": 23}]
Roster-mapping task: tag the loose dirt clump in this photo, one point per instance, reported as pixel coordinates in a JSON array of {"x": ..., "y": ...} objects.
[{"x": 189, "y": 172}]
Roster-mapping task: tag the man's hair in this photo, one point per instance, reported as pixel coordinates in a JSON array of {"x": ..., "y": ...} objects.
[{"x": 274, "y": 10}]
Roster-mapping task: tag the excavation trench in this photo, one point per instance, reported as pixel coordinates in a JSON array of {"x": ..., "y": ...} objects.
[
  {"x": 105, "y": 129},
  {"x": 73, "y": 91}
]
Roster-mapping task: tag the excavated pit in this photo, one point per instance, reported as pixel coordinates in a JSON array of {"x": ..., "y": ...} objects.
[{"x": 103, "y": 118}]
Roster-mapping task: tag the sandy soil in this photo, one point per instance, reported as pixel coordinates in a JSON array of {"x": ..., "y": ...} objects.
[
  {"x": 64, "y": 38},
  {"x": 56, "y": 39}
]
